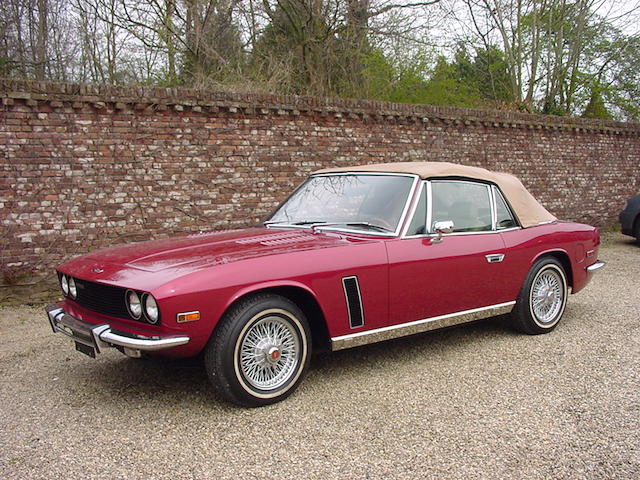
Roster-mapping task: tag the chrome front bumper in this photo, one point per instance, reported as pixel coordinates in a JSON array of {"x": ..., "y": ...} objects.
[
  {"x": 90, "y": 338},
  {"x": 596, "y": 266}
]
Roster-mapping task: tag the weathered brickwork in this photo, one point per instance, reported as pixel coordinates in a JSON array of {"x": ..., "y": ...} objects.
[{"x": 86, "y": 167}]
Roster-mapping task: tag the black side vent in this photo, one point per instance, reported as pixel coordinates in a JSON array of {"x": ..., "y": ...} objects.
[{"x": 354, "y": 301}]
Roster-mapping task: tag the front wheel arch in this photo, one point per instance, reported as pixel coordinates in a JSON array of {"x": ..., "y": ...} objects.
[
  {"x": 303, "y": 299},
  {"x": 260, "y": 351}
]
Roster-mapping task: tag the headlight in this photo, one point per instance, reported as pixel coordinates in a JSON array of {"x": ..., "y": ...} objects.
[
  {"x": 151, "y": 309},
  {"x": 133, "y": 304},
  {"x": 73, "y": 291},
  {"x": 64, "y": 284}
]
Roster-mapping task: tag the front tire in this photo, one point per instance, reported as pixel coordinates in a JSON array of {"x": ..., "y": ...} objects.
[
  {"x": 260, "y": 351},
  {"x": 542, "y": 299}
]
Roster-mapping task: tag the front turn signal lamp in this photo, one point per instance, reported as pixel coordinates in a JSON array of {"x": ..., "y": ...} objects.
[{"x": 188, "y": 317}]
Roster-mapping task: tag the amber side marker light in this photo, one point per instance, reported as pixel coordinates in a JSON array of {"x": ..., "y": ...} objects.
[{"x": 188, "y": 317}]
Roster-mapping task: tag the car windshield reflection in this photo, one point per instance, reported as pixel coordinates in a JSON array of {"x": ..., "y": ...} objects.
[{"x": 372, "y": 203}]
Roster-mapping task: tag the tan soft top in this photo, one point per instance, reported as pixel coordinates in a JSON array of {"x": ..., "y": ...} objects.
[{"x": 528, "y": 210}]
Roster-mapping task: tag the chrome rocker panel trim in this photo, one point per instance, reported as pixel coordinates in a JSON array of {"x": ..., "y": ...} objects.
[
  {"x": 596, "y": 266},
  {"x": 418, "y": 326},
  {"x": 102, "y": 336}
]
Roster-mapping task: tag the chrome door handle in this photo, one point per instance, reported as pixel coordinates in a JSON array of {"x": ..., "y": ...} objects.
[{"x": 494, "y": 257}]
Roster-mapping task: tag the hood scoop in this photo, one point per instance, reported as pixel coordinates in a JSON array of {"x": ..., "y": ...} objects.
[
  {"x": 215, "y": 232},
  {"x": 275, "y": 239}
]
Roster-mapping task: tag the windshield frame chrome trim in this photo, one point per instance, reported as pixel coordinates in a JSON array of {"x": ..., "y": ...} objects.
[{"x": 335, "y": 228}]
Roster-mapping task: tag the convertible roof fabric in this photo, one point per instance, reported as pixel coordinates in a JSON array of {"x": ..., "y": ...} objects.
[{"x": 528, "y": 210}]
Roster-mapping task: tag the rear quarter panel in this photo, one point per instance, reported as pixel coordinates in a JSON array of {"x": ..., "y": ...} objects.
[{"x": 578, "y": 242}]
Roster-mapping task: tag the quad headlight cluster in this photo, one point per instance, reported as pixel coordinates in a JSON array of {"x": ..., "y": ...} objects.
[
  {"x": 68, "y": 286},
  {"x": 140, "y": 305}
]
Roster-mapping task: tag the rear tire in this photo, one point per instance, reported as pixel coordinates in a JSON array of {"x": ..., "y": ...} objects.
[
  {"x": 259, "y": 352},
  {"x": 542, "y": 299}
]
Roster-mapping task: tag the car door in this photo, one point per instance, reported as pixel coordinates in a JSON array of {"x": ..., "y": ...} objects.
[{"x": 432, "y": 275}]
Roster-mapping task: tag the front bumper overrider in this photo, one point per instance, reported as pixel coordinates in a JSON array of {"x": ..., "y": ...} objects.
[{"x": 91, "y": 338}]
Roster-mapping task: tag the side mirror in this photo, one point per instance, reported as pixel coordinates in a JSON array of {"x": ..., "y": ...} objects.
[{"x": 442, "y": 227}]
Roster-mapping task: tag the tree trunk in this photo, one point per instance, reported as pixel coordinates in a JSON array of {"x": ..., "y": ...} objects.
[{"x": 41, "y": 41}]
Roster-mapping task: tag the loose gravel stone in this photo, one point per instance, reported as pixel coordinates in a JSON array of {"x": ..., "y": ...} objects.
[{"x": 477, "y": 401}]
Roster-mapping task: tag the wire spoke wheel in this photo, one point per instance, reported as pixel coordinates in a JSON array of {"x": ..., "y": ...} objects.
[
  {"x": 269, "y": 353},
  {"x": 547, "y": 296},
  {"x": 543, "y": 297},
  {"x": 260, "y": 350}
]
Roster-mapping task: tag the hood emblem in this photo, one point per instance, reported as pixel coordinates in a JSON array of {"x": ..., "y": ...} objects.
[{"x": 98, "y": 270}]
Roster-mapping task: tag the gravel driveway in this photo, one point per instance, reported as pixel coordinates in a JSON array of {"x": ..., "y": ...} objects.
[{"x": 478, "y": 401}]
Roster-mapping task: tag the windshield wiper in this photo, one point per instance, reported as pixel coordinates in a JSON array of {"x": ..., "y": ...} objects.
[
  {"x": 321, "y": 223},
  {"x": 372, "y": 226},
  {"x": 284, "y": 222}
]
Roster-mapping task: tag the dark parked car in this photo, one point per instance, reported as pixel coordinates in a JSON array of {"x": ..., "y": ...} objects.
[{"x": 630, "y": 218}]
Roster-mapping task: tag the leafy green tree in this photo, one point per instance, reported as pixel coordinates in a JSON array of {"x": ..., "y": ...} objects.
[
  {"x": 596, "y": 108},
  {"x": 445, "y": 87},
  {"x": 615, "y": 59},
  {"x": 487, "y": 73},
  {"x": 492, "y": 75}
]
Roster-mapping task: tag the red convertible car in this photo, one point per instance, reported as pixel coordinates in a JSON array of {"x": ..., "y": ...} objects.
[{"x": 355, "y": 255}]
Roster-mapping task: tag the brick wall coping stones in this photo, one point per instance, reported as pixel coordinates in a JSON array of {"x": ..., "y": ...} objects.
[{"x": 149, "y": 99}]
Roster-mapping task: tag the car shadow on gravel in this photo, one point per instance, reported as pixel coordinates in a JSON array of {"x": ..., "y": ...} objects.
[
  {"x": 405, "y": 349},
  {"x": 157, "y": 377},
  {"x": 123, "y": 379}
]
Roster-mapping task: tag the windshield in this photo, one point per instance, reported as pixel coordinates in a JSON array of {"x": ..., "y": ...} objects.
[{"x": 364, "y": 202}]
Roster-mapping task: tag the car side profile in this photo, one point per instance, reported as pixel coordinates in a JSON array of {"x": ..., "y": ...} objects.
[
  {"x": 630, "y": 218},
  {"x": 354, "y": 255}
]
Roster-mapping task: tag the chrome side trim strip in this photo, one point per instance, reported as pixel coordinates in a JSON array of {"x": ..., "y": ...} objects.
[
  {"x": 596, "y": 266},
  {"x": 418, "y": 326}
]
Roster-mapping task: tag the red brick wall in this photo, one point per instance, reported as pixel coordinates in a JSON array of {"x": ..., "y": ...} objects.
[{"x": 84, "y": 167}]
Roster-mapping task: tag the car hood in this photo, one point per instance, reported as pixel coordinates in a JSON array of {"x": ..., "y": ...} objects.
[{"x": 136, "y": 264}]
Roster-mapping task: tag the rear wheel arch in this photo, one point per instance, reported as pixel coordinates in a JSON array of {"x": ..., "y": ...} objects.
[
  {"x": 542, "y": 298},
  {"x": 562, "y": 257}
]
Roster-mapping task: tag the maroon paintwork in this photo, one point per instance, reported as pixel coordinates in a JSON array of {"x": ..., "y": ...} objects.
[{"x": 401, "y": 279}]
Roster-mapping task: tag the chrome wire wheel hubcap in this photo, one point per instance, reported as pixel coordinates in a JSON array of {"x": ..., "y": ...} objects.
[
  {"x": 269, "y": 353},
  {"x": 547, "y": 296}
]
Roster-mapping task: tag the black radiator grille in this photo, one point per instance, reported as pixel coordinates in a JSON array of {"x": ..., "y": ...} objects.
[
  {"x": 354, "y": 302},
  {"x": 101, "y": 298}
]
